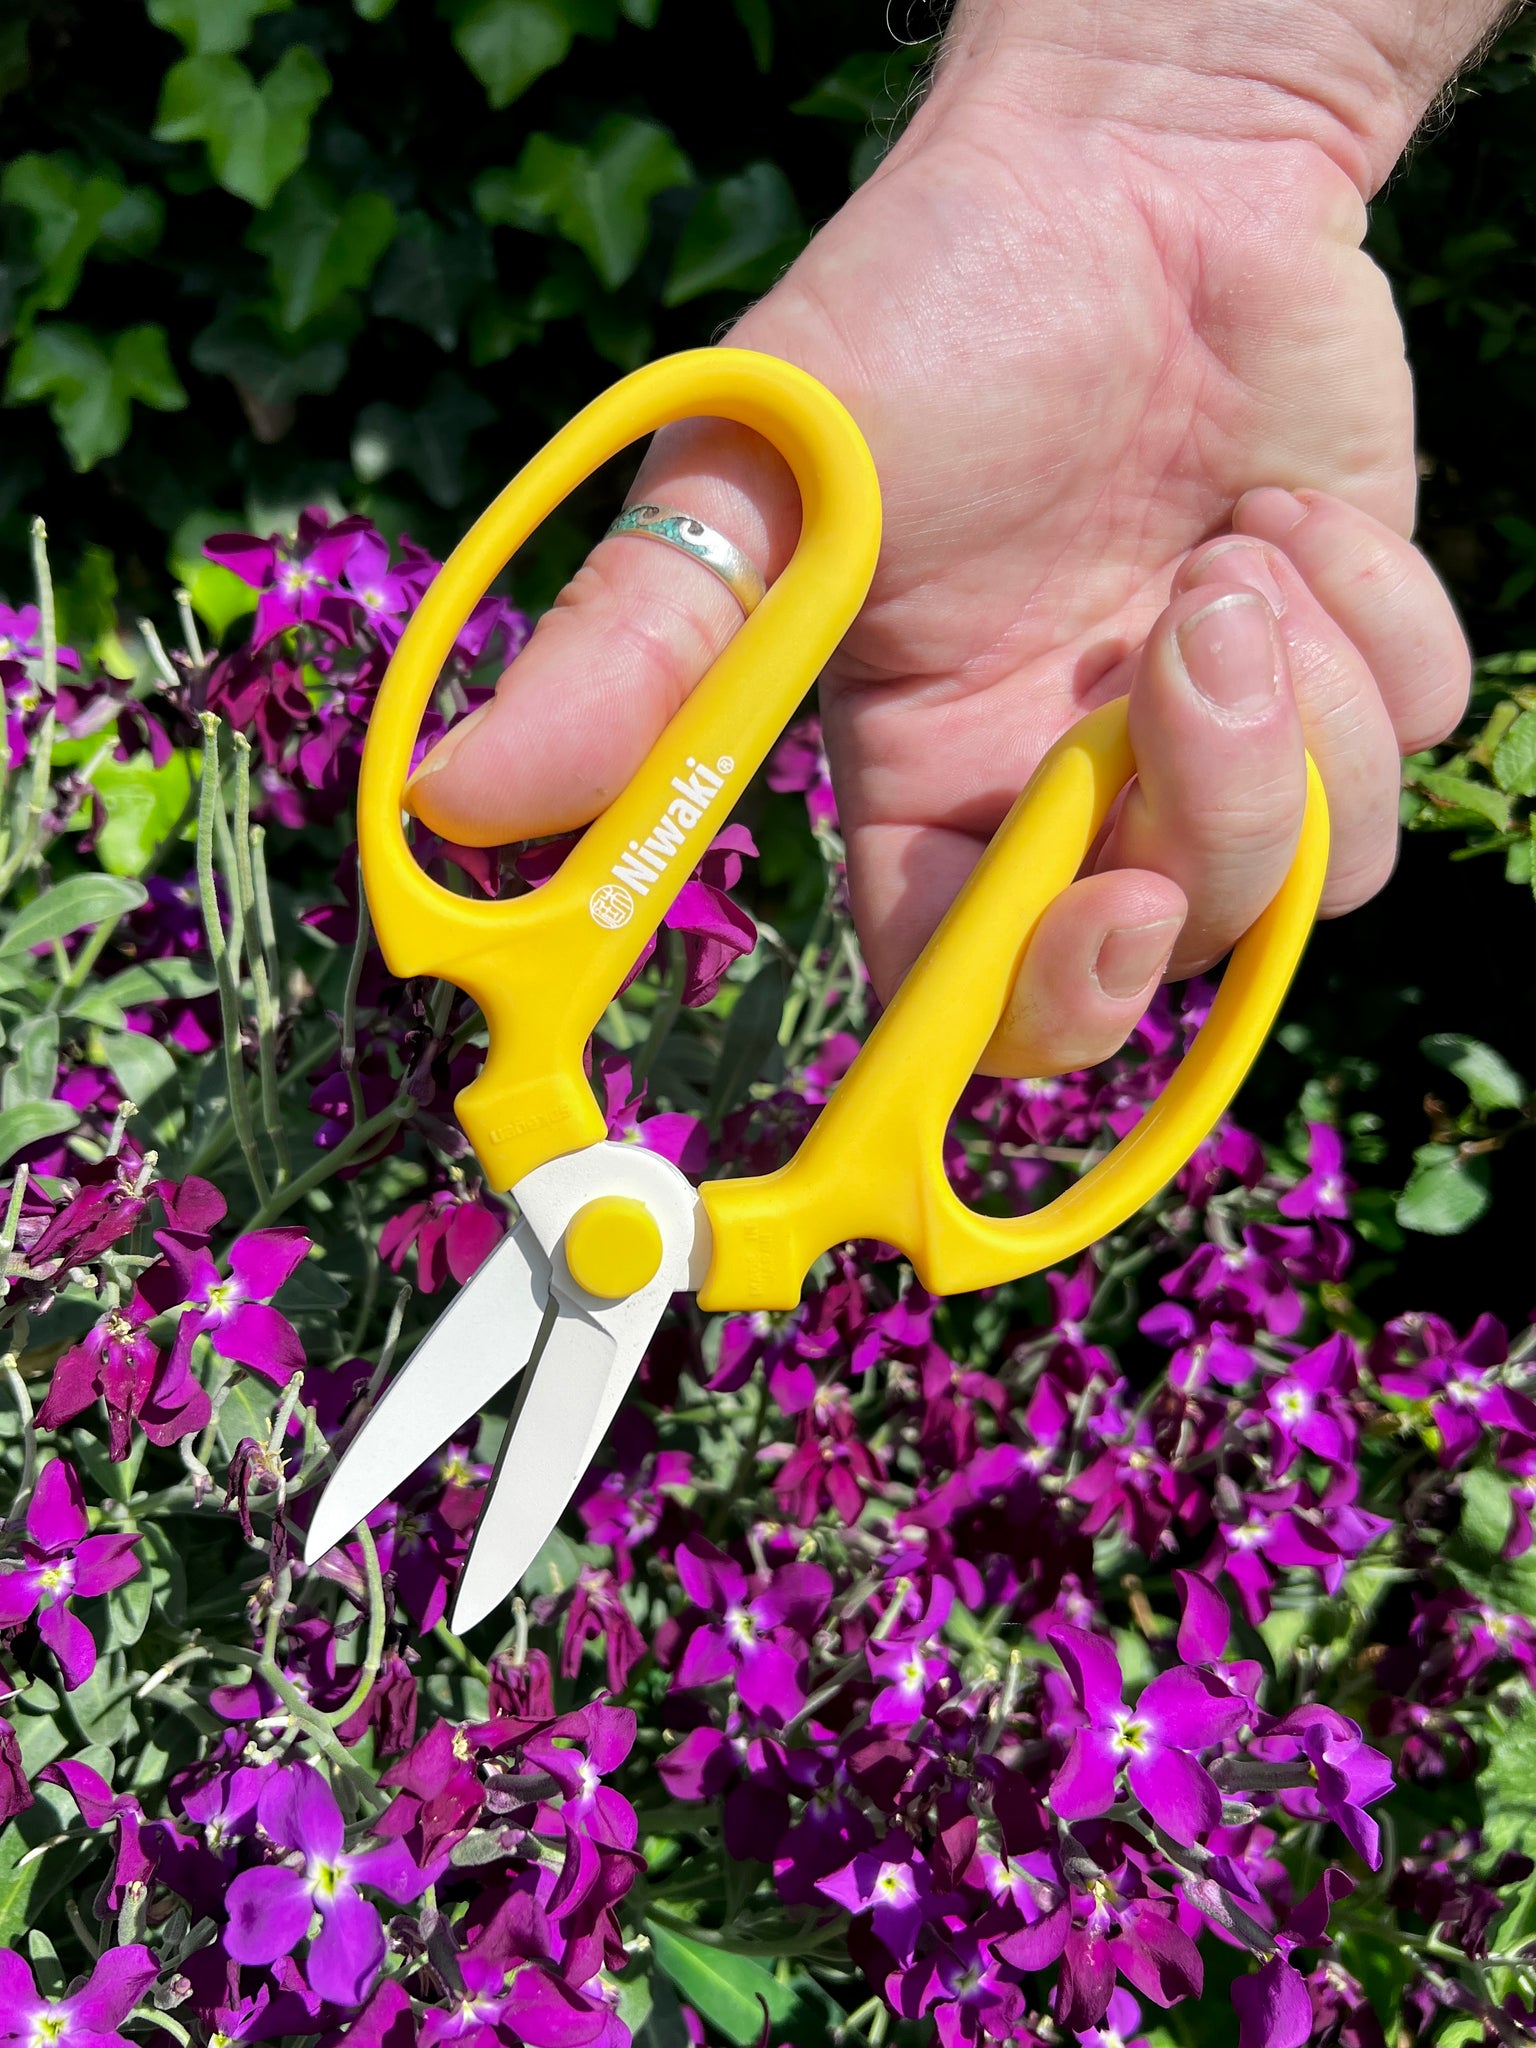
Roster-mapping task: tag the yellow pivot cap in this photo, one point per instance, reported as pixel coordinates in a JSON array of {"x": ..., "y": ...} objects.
[{"x": 613, "y": 1246}]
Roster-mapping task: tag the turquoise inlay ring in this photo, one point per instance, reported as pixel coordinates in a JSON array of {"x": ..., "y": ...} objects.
[{"x": 692, "y": 537}]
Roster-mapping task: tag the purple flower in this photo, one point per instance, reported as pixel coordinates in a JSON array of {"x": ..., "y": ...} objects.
[
  {"x": 1327, "y": 1188},
  {"x": 1181, "y": 1711},
  {"x": 1422, "y": 1358},
  {"x": 536, "y": 2007},
  {"x": 1306, "y": 1406},
  {"x": 965, "y": 1988},
  {"x": 270, "y": 1907},
  {"x": 892, "y": 1885},
  {"x": 1272, "y": 2004},
  {"x": 759, "y": 1639},
  {"x": 1120, "y": 2027},
  {"x": 235, "y": 1314},
  {"x": 800, "y": 763},
  {"x": 63, "y": 1561},
  {"x": 119, "y": 1363},
  {"x": 87, "y": 2018},
  {"x": 1350, "y": 1774}
]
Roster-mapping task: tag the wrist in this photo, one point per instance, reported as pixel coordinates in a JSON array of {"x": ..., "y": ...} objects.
[{"x": 1353, "y": 77}]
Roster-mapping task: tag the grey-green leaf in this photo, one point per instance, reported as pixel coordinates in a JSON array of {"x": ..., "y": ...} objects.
[
  {"x": 1486, "y": 1075},
  {"x": 1446, "y": 1193},
  {"x": 30, "y": 1122},
  {"x": 82, "y": 900}
]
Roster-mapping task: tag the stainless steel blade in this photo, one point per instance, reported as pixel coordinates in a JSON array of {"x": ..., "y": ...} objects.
[
  {"x": 562, "y": 1416},
  {"x": 486, "y": 1336}
]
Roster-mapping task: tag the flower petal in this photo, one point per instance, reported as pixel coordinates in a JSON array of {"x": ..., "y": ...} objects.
[
  {"x": 1272, "y": 2007},
  {"x": 1190, "y": 1709},
  {"x": 19, "y": 1595},
  {"x": 56, "y": 1515},
  {"x": 392, "y": 1870},
  {"x": 116, "y": 1985},
  {"x": 260, "y": 1338},
  {"x": 263, "y": 1259},
  {"x": 299, "y": 1811},
  {"x": 70, "y": 1641},
  {"x": 345, "y": 1955},
  {"x": 1179, "y": 1793},
  {"x": 269, "y": 1910},
  {"x": 102, "y": 1562},
  {"x": 1206, "y": 1621},
  {"x": 1092, "y": 1666},
  {"x": 1085, "y": 1784}
]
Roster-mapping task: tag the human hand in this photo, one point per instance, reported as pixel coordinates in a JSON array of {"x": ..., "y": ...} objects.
[{"x": 1076, "y": 343}]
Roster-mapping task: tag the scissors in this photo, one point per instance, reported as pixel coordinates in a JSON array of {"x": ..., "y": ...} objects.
[{"x": 608, "y": 1233}]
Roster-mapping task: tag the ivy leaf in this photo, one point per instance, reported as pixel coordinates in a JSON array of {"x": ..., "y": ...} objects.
[
  {"x": 869, "y": 86},
  {"x": 432, "y": 273},
  {"x": 1514, "y": 758},
  {"x": 256, "y": 135},
  {"x": 271, "y": 369},
  {"x": 757, "y": 19},
  {"x": 730, "y": 1991},
  {"x": 82, "y": 900},
  {"x": 1446, "y": 1193},
  {"x": 507, "y": 44},
  {"x": 30, "y": 1122},
  {"x": 739, "y": 236},
  {"x": 72, "y": 211},
  {"x": 431, "y": 443},
  {"x": 597, "y": 195},
  {"x": 212, "y": 28},
  {"x": 90, "y": 383},
  {"x": 320, "y": 245},
  {"x": 1487, "y": 1077}
]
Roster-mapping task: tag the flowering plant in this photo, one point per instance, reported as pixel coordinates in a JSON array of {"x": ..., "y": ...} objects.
[{"x": 1087, "y": 1660}]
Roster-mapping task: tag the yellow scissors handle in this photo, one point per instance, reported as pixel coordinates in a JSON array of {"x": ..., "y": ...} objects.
[
  {"x": 872, "y": 1165},
  {"x": 544, "y": 967}
]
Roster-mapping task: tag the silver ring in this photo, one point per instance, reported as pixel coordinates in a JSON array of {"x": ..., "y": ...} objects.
[{"x": 692, "y": 537}]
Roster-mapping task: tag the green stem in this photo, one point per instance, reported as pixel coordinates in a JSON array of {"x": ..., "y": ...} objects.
[
  {"x": 313, "y": 1723},
  {"x": 461, "y": 1652},
  {"x": 23, "y": 1400},
  {"x": 374, "y": 1655},
  {"x": 349, "y": 1006},
  {"x": 261, "y": 986},
  {"x": 157, "y": 654},
  {"x": 274, "y": 1205},
  {"x": 210, "y": 812},
  {"x": 663, "y": 1017},
  {"x": 190, "y": 638},
  {"x": 48, "y": 625}
]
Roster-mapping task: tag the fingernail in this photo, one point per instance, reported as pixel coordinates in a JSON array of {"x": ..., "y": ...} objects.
[
  {"x": 1132, "y": 955},
  {"x": 1231, "y": 654},
  {"x": 1237, "y": 561},
  {"x": 444, "y": 752},
  {"x": 1269, "y": 513}
]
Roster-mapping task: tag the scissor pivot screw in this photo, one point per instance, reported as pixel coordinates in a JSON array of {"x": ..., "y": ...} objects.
[{"x": 613, "y": 1246}]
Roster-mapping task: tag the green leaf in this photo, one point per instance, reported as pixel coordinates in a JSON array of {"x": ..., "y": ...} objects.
[
  {"x": 431, "y": 444},
  {"x": 31, "y": 1075},
  {"x": 756, "y": 18},
  {"x": 256, "y": 135},
  {"x": 1486, "y": 1513},
  {"x": 16, "y": 1882},
  {"x": 153, "y": 980},
  {"x": 142, "y": 804},
  {"x": 597, "y": 195},
  {"x": 750, "y": 1038},
  {"x": 507, "y": 44},
  {"x": 739, "y": 236},
  {"x": 373, "y": 10},
  {"x": 1487, "y": 1077},
  {"x": 89, "y": 383},
  {"x": 82, "y": 900},
  {"x": 212, "y": 28},
  {"x": 1463, "y": 799},
  {"x": 272, "y": 369},
  {"x": 30, "y": 1122},
  {"x": 431, "y": 275},
  {"x": 1514, "y": 758},
  {"x": 145, "y": 1071},
  {"x": 1446, "y": 1192},
  {"x": 1382, "y": 1968},
  {"x": 1507, "y": 1784},
  {"x": 128, "y": 1608},
  {"x": 320, "y": 245},
  {"x": 247, "y": 1412},
  {"x": 723, "y": 1987},
  {"x": 869, "y": 86},
  {"x": 72, "y": 211}
]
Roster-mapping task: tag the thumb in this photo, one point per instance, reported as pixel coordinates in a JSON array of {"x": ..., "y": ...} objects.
[{"x": 623, "y": 645}]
